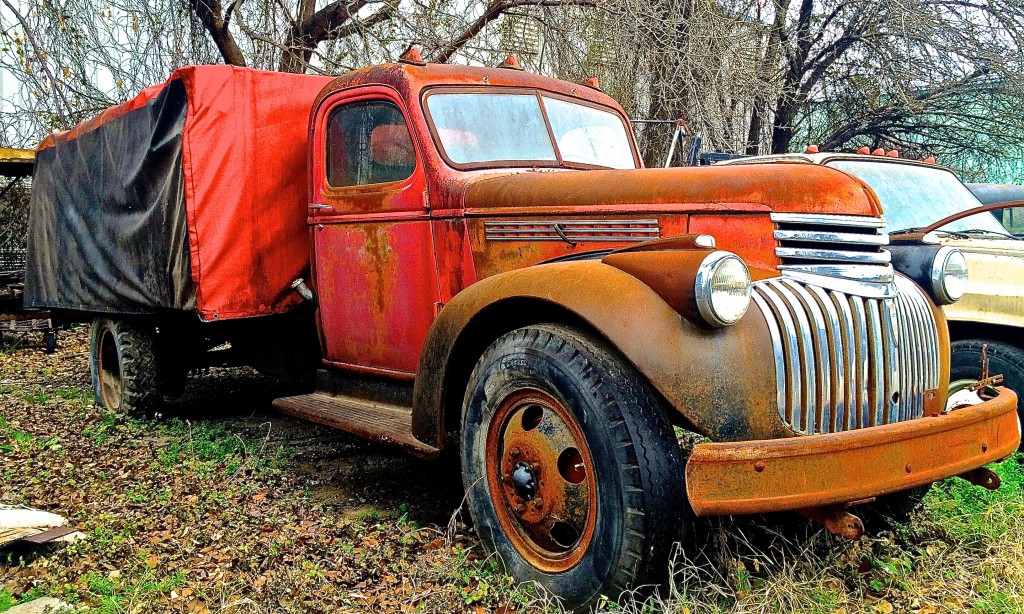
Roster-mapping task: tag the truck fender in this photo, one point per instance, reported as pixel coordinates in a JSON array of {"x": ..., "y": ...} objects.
[{"x": 720, "y": 381}]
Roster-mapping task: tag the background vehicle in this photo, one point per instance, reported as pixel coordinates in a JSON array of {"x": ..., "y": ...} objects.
[
  {"x": 15, "y": 171},
  {"x": 1012, "y": 218},
  {"x": 916, "y": 197},
  {"x": 479, "y": 255}
]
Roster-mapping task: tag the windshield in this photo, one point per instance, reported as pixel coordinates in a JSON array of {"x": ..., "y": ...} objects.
[
  {"x": 917, "y": 196},
  {"x": 511, "y": 128}
]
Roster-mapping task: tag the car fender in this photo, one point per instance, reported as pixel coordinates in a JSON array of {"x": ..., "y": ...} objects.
[{"x": 721, "y": 382}]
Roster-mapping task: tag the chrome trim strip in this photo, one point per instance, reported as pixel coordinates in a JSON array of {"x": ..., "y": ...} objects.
[
  {"x": 823, "y": 403},
  {"x": 878, "y": 365},
  {"x": 834, "y": 255},
  {"x": 809, "y": 409},
  {"x": 819, "y": 236},
  {"x": 780, "y": 359},
  {"x": 858, "y": 221},
  {"x": 789, "y": 350},
  {"x": 613, "y": 222},
  {"x": 838, "y": 375},
  {"x": 574, "y": 237},
  {"x": 601, "y": 231}
]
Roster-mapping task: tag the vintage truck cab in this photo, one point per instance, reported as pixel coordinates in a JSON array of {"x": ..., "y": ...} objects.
[{"x": 493, "y": 271}]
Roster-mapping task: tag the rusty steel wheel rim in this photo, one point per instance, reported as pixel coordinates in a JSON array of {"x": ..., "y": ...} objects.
[
  {"x": 109, "y": 368},
  {"x": 541, "y": 479}
]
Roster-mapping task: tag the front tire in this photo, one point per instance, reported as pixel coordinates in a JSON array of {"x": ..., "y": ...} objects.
[
  {"x": 1003, "y": 359},
  {"x": 124, "y": 365},
  {"x": 573, "y": 475}
]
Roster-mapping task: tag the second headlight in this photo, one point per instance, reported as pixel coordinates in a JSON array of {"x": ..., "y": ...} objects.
[
  {"x": 722, "y": 288},
  {"x": 949, "y": 275}
]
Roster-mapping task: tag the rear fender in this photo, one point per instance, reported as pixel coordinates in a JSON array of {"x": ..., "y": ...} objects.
[{"x": 721, "y": 381}]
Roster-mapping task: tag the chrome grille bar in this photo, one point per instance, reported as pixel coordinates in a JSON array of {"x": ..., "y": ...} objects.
[
  {"x": 844, "y": 361},
  {"x": 838, "y": 252}
]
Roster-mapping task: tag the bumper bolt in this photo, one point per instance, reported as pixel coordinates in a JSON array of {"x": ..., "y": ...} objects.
[
  {"x": 759, "y": 466},
  {"x": 908, "y": 468}
]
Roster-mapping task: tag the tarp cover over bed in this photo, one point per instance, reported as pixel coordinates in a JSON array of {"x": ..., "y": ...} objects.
[{"x": 190, "y": 196}]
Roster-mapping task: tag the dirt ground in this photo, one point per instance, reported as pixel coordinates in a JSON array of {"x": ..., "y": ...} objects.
[{"x": 222, "y": 504}]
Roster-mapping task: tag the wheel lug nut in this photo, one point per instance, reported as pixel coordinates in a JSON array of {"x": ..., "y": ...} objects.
[{"x": 515, "y": 452}]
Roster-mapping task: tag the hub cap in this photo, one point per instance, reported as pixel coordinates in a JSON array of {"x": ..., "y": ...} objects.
[{"x": 541, "y": 480}]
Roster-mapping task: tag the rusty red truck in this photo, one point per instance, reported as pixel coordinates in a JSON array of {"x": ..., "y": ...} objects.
[{"x": 475, "y": 259}]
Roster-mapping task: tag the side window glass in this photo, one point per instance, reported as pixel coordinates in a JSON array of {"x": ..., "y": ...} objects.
[{"x": 367, "y": 143}]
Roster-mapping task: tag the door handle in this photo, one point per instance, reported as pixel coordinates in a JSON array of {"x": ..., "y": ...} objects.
[{"x": 321, "y": 207}]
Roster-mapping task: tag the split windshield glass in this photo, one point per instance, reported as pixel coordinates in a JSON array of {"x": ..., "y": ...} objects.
[
  {"x": 916, "y": 196},
  {"x": 509, "y": 128}
]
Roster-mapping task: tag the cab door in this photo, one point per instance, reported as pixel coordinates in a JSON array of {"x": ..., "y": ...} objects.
[{"x": 373, "y": 256}]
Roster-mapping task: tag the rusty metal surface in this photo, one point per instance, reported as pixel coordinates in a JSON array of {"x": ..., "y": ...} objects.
[
  {"x": 802, "y": 188},
  {"x": 379, "y": 422},
  {"x": 16, "y": 162},
  {"x": 681, "y": 359},
  {"x": 823, "y": 470},
  {"x": 837, "y": 521},
  {"x": 986, "y": 478},
  {"x": 541, "y": 479}
]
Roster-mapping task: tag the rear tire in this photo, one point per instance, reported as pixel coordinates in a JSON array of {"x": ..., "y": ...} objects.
[
  {"x": 573, "y": 474},
  {"x": 125, "y": 370}
]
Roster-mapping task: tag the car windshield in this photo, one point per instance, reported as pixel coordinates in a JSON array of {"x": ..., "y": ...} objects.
[
  {"x": 914, "y": 196},
  {"x": 511, "y": 128}
]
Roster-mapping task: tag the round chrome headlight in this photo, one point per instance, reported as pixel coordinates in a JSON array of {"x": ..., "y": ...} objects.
[
  {"x": 722, "y": 288},
  {"x": 949, "y": 275}
]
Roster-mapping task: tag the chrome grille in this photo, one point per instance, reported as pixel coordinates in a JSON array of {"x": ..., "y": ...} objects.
[
  {"x": 840, "y": 252},
  {"x": 843, "y": 361}
]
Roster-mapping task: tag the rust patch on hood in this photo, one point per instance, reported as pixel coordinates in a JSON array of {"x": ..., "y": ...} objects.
[{"x": 784, "y": 188}]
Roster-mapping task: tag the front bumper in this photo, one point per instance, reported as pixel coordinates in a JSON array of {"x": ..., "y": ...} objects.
[{"x": 821, "y": 470}]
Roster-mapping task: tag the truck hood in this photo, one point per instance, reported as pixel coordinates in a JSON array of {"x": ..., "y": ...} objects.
[{"x": 791, "y": 188}]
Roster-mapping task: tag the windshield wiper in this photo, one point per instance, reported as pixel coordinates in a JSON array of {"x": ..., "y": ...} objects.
[{"x": 982, "y": 231}]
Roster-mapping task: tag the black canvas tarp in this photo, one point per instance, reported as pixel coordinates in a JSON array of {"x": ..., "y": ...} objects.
[{"x": 108, "y": 229}]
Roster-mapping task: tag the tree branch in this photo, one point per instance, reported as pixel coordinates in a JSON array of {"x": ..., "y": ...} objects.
[{"x": 209, "y": 13}]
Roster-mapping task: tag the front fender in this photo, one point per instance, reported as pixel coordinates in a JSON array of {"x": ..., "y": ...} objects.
[{"x": 722, "y": 381}]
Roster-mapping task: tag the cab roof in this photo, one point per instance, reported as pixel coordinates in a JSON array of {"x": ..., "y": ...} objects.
[{"x": 411, "y": 79}]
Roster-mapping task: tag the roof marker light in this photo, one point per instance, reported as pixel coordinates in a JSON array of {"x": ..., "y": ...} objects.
[
  {"x": 412, "y": 56},
  {"x": 511, "y": 62},
  {"x": 811, "y": 149},
  {"x": 864, "y": 150},
  {"x": 929, "y": 160},
  {"x": 878, "y": 152},
  {"x": 893, "y": 153}
]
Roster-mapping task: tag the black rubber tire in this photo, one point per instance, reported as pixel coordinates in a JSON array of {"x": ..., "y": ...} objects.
[
  {"x": 639, "y": 470},
  {"x": 1003, "y": 359},
  {"x": 133, "y": 345}
]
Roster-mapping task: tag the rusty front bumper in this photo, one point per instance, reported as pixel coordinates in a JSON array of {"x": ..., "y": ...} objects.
[{"x": 819, "y": 470}]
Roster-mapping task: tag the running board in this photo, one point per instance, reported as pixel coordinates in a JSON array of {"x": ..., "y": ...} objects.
[{"x": 380, "y": 422}]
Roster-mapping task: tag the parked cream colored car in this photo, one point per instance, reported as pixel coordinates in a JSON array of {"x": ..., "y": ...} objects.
[{"x": 917, "y": 195}]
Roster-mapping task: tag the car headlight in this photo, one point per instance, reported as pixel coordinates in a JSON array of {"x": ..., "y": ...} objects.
[
  {"x": 949, "y": 275},
  {"x": 722, "y": 288}
]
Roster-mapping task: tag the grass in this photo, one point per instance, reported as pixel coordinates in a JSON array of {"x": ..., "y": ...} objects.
[{"x": 186, "y": 514}]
